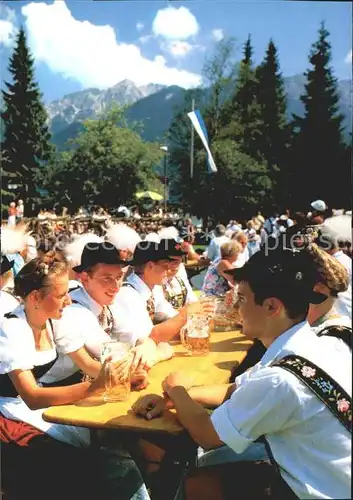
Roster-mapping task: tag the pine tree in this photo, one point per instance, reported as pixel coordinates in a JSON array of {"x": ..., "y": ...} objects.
[
  {"x": 320, "y": 167},
  {"x": 271, "y": 98},
  {"x": 243, "y": 110},
  {"x": 26, "y": 145}
]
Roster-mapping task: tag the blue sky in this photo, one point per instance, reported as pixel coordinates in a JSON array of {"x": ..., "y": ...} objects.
[{"x": 81, "y": 44}]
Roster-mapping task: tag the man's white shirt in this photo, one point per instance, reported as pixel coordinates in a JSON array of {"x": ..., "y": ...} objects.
[
  {"x": 312, "y": 448},
  {"x": 345, "y": 261},
  {"x": 134, "y": 322}
]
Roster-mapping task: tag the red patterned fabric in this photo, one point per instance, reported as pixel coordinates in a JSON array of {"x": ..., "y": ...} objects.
[{"x": 12, "y": 431}]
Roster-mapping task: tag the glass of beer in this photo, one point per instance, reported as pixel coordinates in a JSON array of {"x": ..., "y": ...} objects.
[
  {"x": 195, "y": 335},
  {"x": 117, "y": 370},
  {"x": 226, "y": 316}
]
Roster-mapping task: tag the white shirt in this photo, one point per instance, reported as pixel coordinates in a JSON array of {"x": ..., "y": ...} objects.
[
  {"x": 191, "y": 295},
  {"x": 242, "y": 258},
  {"x": 345, "y": 261},
  {"x": 18, "y": 352},
  {"x": 334, "y": 319},
  {"x": 312, "y": 448},
  {"x": 344, "y": 302},
  {"x": 7, "y": 303},
  {"x": 78, "y": 327},
  {"x": 214, "y": 248},
  {"x": 134, "y": 320}
]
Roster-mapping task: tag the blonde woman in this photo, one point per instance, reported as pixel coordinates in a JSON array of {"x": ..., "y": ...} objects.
[
  {"x": 333, "y": 282},
  {"x": 216, "y": 280},
  {"x": 57, "y": 458}
]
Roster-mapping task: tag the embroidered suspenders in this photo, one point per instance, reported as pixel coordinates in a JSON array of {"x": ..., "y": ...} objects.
[
  {"x": 177, "y": 300},
  {"x": 341, "y": 332},
  {"x": 323, "y": 386}
]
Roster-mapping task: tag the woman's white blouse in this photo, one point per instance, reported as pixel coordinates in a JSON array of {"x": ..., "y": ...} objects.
[
  {"x": 18, "y": 352},
  {"x": 17, "y": 346}
]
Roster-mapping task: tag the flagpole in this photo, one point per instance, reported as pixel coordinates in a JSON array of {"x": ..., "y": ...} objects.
[{"x": 192, "y": 143}]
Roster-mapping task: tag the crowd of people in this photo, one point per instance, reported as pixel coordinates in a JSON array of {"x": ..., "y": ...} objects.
[{"x": 68, "y": 288}]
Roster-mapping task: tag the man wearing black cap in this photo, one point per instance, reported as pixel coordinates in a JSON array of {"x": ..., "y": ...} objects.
[
  {"x": 89, "y": 322},
  {"x": 285, "y": 397},
  {"x": 176, "y": 287},
  {"x": 89, "y": 318},
  {"x": 141, "y": 298},
  {"x": 7, "y": 301}
]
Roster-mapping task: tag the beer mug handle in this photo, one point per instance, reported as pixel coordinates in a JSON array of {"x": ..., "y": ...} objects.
[
  {"x": 108, "y": 375},
  {"x": 182, "y": 334}
]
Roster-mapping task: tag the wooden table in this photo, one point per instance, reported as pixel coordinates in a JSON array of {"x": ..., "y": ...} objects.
[{"x": 227, "y": 350}]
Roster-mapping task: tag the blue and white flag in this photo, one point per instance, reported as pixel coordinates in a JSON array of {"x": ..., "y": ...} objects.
[{"x": 200, "y": 127}]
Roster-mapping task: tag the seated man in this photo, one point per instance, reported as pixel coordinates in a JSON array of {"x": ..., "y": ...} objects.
[
  {"x": 88, "y": 322},
  {"x": 176, "y": 287},
  {"x": 305, "y": 417},
  {"x": 140, "y": 300}
]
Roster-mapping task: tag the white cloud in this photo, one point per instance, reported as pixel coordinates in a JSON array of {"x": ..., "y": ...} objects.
[
  {"x": 140, "y": 26},
  {"x": 175, "y": 23},
  {"x": 8, "y": 28},
  {"x": 91, "y": 54},
  {"x": 7, "y": 14},
  {"x": 179, "y": 48},
  {"x": 7, "y": 33},
  {"x": 217, "y": 35},
  {"x": 145, "y": 38},
  {"x": 349, "y": 57}
]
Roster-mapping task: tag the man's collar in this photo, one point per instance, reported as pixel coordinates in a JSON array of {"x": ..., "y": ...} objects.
[
  {"x": 140, "y": 286},
  {"x": 84, "y": 298},
  {"x": 285, "y": 341}
]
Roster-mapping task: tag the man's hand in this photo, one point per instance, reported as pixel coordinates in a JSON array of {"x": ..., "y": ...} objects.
[
  {"x": 145, "y": 355},
  {"x": 139, "y": 380},
  {"x": 149, "y": 406},
  {"x": 176, "y": 379}
]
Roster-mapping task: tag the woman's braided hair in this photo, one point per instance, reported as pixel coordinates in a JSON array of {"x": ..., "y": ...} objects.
[
  {"x": 36, "y": 275},
  {"x": 329, "y": 270}
]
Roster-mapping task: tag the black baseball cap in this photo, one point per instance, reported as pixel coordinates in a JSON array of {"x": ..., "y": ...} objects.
[
  {"x": 99, "y": 253},
  {"x": 6, "y": 264},
  {"x": 281, "y": 274}
]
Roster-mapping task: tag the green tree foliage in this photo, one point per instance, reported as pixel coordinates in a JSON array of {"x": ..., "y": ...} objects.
[
  {"x": 241, "y": 184},
  {"x": 26, "y": 140},
  {"x": 320, "y": 160},
  {"x": 241, "y": 114},
  {"x": 273, "y": 137},
  {"x": 108, "y": 165}
]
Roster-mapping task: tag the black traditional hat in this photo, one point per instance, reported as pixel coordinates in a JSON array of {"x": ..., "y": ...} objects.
[
  {"x": 282, "y": 273},
  {"x": 99, "y": 253}
]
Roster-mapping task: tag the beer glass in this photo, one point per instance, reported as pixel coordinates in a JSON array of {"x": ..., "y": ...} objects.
[
  {"x": 117, "y": 370},
  {"x": 195, "y": 335}
]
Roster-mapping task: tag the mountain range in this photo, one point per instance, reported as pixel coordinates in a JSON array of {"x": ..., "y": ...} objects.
[{"x": 155, "y": 105}]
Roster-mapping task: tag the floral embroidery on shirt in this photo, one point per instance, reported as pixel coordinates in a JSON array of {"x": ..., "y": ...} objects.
[
  {"x": 343, "y": 405},
  {"x": 324, "y": 387},
  {"x": 308, "y": 372}
]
